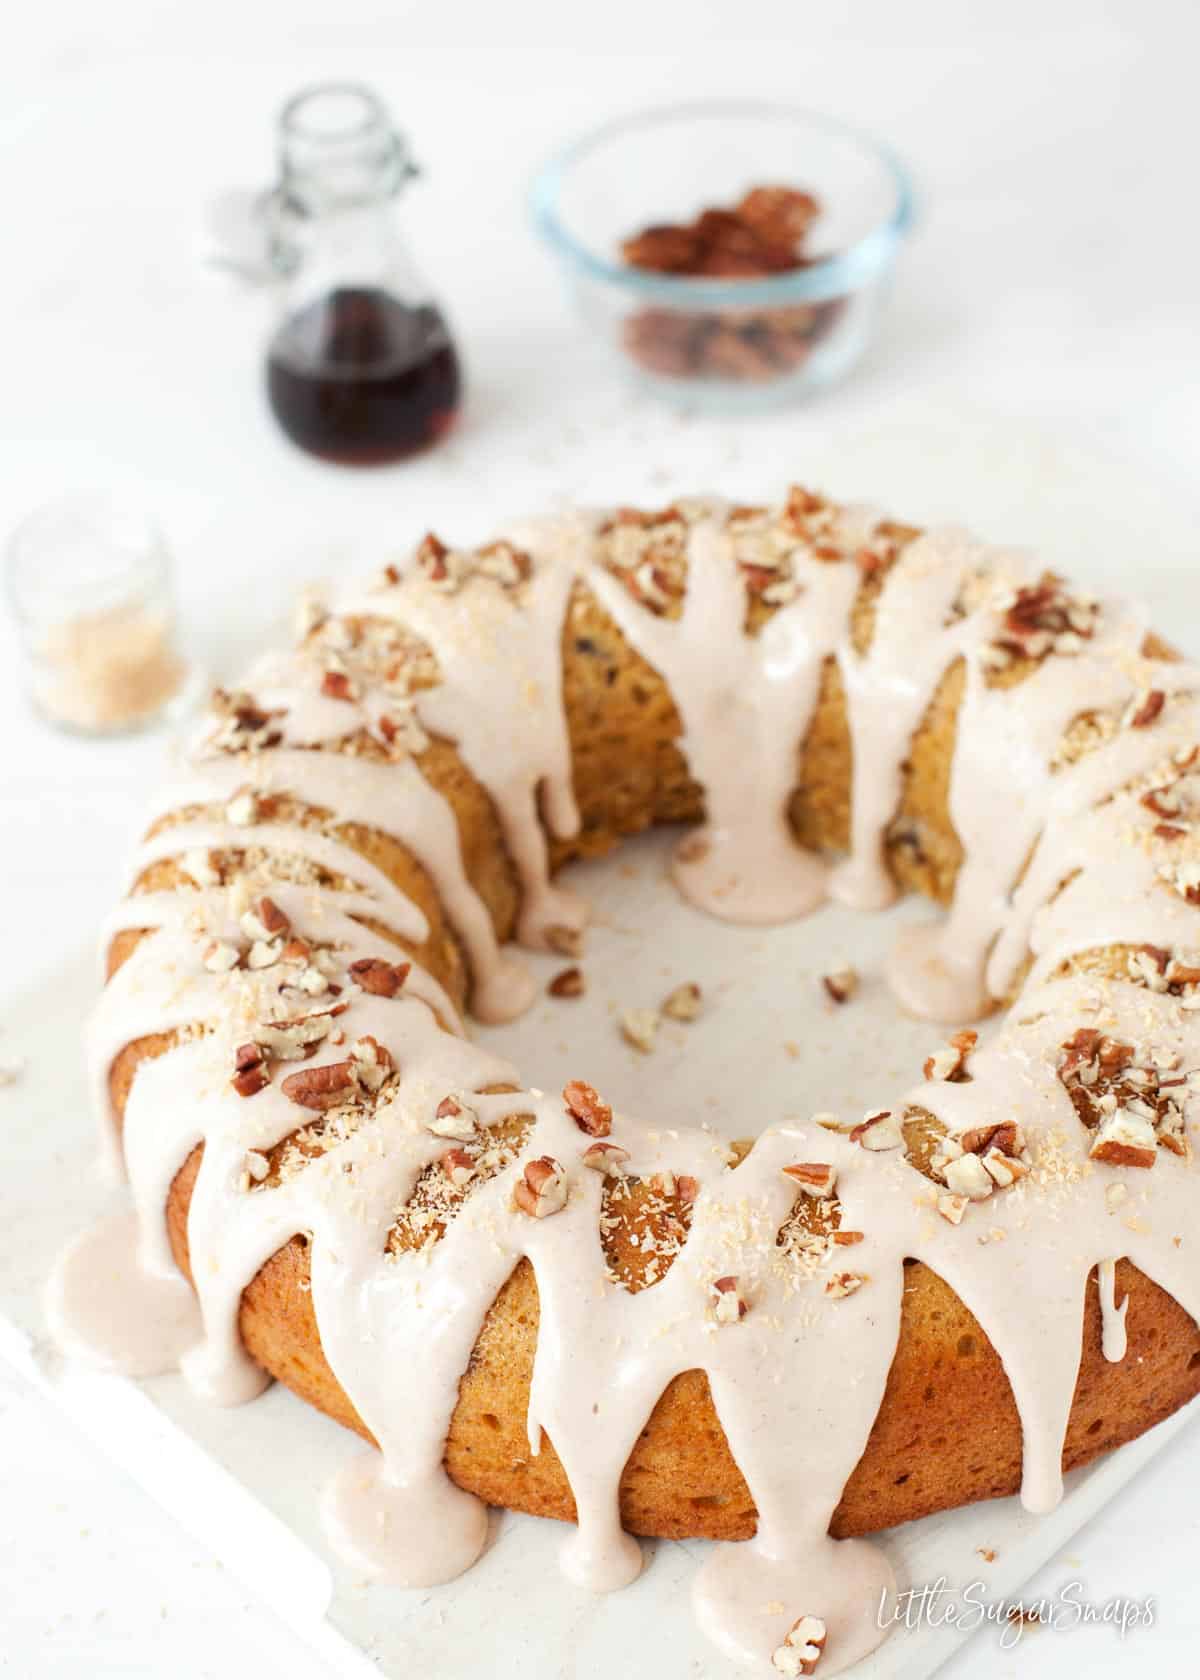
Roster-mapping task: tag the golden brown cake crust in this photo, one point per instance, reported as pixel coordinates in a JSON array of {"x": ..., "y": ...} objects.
[{"x": 947, "y": 1432}]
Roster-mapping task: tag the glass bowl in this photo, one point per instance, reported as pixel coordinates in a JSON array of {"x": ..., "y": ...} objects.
[{"x": 727, "y": 343}]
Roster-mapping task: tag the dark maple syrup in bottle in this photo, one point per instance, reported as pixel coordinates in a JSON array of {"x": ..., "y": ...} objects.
[
  {"x": 361, "y": 368},
  {"x": 362, "y": 378}
]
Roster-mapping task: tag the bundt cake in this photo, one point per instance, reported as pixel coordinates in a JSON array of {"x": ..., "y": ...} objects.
[{"x": 523, "y": 1299}]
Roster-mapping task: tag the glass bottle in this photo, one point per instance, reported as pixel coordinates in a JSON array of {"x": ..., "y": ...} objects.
[{"x": 361, "y": 368}]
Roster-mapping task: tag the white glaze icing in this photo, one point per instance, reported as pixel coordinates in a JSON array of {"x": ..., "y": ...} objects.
[
  {"x": 746, "y": 704},
  {"x": 889, "y": 688},
  {"x": 1056, "y": 861},
  {"x": 394, "y": 797},
  {"x": 1001, "y": 794},
  {"x": 500, "y": 701},
  {"x": 92, "y": 1316},
  {"x": 1114, "y": 1342}
]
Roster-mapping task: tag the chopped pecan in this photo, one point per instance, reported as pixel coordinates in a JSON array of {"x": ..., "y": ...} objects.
[
  {"x": 589, "y": 1112},
  {"x": 1177, "y": 799},
  {"x": 801, "y": 1649},
  {"x": 311, "y": 980},
  {"x": 952, "y": 1205},
  {"x": 242, "y": 809},
  {"x": 816, "y": 1177},
  {"x": 761, "y": 236},
  {"x": 967, "y": 1176},
  {"x": 264, "y": 953},
  {"x": 841, "y": 985},
  {"x": 459, "y": 1166},
  {"x": 292, "y": 1041},
  {"x": 1184, "y": 878},
  {"x": 327, "y": 1086},
  {"x": 197, "y": 863},
  {"x": 1003, "y": 1168},
  {"x": 504, "y": 564},
  {"x": 1148, "y": 963},
  {"x": 1005, "y": 1136},
  {"x": 782, "y": 215},
  {"x": 842, "y": 1284},
  {"x": 542, "y": 1189},
  {"x": 605, "y": 1157},
  {"x": 663, "y": 249},
  {"x": 454, "y": 1118},
  {"x": 432, "y": 557},
  {"x": 951, "y": 1063},
  {"x": 565, "y": 941},
  {"x": 1134, "y": 1107},
  {"x": 256, "y": 1166},
  {"x": 726, "y": 1300},
  {"x": 336, "y": 685},
  {"x": 383, "y": 979},
  {"x": 1042, "y": 618},
  {"x": 1124, "y": 1140},
  {"x": 248, "y": 1081},
  {"x": 1078, "y": 1051},
  {"x": 372, "y": 1062},
  {"x": 264, "y": 920},
  {"x": 758, "y": 578},
  {"x": 881, "y": 1130},
  {"x": 246, "y": 725},
  {"x": 666, "y": 341},
  {"x": 639, "y": 1027},
  {"x": 684, "y": 1003},
  {"x": 801, "y": 504},
  {"x": 1148, "y": 709},
  {"x": 732, "y": 353},
  {"x": 220, "y": 957}
]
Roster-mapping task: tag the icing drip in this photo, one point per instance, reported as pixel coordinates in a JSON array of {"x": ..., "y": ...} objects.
[
  {"x": 888, "y": 690},
  {"x": 1093, "y": 879},
  {"x": 1003, "y": 789},
  {"x": 1113, "y": 1316},
  {"x": 1028, "y": 1292},
  {"x": 770, "y": 1384},
  {"x": 737, "y": 1591},
  {"x": 746, "y": 705},
  {"x": 370, "y": 1518},
  {"x": 1059, "y": 858},
  {"x": 394, "y": 797},
  {"x": 500, "y": 701}
]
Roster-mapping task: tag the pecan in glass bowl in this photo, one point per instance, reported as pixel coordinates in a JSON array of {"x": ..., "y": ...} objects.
[{"x": 767, "y": 239}]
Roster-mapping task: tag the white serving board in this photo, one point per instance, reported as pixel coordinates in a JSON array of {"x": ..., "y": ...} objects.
[{"x": 246, "y": 1482}]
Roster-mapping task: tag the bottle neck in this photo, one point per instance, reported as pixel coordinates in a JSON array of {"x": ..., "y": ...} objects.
[
  {"x": 338, "y": 150},
  {"x": 341, "y": 167}
]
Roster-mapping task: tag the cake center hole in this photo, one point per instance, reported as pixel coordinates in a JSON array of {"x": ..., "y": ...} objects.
[{"x": 769, "y": 1043}]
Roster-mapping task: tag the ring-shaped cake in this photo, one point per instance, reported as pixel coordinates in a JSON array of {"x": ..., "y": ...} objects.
[{"x": 523, "y": 1299}]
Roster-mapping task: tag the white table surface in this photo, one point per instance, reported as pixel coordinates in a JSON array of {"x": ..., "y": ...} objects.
[{"x": 1037, "y": 376}]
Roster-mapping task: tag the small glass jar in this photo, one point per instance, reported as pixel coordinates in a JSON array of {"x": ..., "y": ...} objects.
[
  {"x": 90, "y": 588},
  {"x": 361, "y": 368}
]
